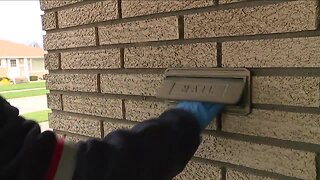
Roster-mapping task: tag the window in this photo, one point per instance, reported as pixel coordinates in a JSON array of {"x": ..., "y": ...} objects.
[{"x": 13, "y": 63}]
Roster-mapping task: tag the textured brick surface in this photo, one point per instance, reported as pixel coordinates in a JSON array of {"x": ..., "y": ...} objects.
[
  {"x": 212, "y": 125},
  {"x": 75, "y": 138},
  {"x": 75, "y": 124},
  {"x": 276, "y": 124},
  {"x": 49, "y": 4},
  {"x": 131, "y": 84},
  {"x": 97, "y": 106},
  {"x": 85, "y": 58},
  {"x": 232, "y": 175},
  {"x": 70, "y": 39},
  {"x": 109, "y": 127},
  {"x": 233, "y": 1},
  {"x": 137, "y": 8},
  {"x": 98, "y": 59},
  {"x": 295, "y": 91},
  {"x": 258, "y": 156},
  {"x": 138, "y": 110},
  {"x": 49, "y": 21},
  {"x": 54, "y": 101},
  {"x": 72, "y": 82},
  {"x": 295, "y": 52},
  {"x": 199, "y": 171},
  {"x": 140, "y": 31},
  {"x": 254, "y": 20},
  {"x": 51, "y": 61},
  {"x": 192, "y": 55},
  {"x": 89, "y": 13}
]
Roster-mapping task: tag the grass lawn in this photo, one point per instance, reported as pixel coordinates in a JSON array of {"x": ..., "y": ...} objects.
[
  {"x": 23, "y": 86},
  {"x": 21, "y": 94},
  {"x": 39, "y": 116}
]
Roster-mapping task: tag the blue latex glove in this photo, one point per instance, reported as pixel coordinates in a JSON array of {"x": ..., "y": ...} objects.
[{"x": 203, "y": 111}]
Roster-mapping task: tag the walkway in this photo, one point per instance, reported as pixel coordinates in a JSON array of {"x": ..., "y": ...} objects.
[{"x": 29, "y": 104}]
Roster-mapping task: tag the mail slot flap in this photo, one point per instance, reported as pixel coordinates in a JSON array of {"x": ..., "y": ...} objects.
[
  {"x": 208, "y": 72},
  {"x": 218, "y": 90},
  {"x": 231, "y": 86}
]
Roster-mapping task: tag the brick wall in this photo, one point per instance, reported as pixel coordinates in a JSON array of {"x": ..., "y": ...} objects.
[{"x": 107, "y": 58}]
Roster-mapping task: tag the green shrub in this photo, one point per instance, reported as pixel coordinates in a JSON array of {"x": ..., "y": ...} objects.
[
  {"x": 33, "y": 78},
  {"x": 2, "y": 78}
]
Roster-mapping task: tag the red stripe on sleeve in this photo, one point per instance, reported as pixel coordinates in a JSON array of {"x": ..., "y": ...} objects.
[{"x": 58, "y": 149}]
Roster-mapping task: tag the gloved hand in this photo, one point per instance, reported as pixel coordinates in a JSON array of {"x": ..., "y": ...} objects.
[
  {"x": 23, "y": 148},
  {"x": 203, "y": 111}
]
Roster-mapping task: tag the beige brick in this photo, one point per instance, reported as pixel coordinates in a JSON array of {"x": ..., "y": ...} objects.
[
  {"x": 49, "y": 21},
  {"x": 91, "y": 105},
  {"x": 72, "y": 82},
  {"x": 137, "y": 8},
  {"x": 75, "y": 124},
  {"x": 294, "y": 52},
  {"x": 51, "y": 61},
  {"x": 295, "y": 91},
  {"x": 70, "y": 138},
  {"x": 140, "y": 31},
  {"x": 199, "y": 171},
  {"x": 49, "y": 4},
  {"x": 88, "y": 13},
  {"x": 70, "y": 39},
  {"x": 231, "y": 175},
  {"x": 97, "y": 59},
  {"x": 191, "y": 55},
  {"x": 212, "y": 126},
  {"x": 110, "y": 127},
  {"x": 233, "y": 1},
  {"x": 139, "y": 110},
  {"x": 75, "y": 138},
  {"x": 300, "y": 127},
  {"x": 275, "y": 18},
  {"x": 131, "y": 84},
  {"x": 288, "y": 162},
  {"x": 54, "y": 101}
]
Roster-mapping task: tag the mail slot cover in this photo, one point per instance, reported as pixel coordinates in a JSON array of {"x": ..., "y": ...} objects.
[{"x": 219, "y": 85}]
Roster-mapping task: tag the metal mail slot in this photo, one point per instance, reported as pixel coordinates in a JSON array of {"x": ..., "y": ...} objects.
[
  {"x": 230, "y": 86},
  {"x": 216, "y": 90}
]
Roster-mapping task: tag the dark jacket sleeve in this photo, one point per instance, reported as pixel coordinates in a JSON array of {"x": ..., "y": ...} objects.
[
  {"x": 25, "y": 153},
  {"x": 156, "y": 149}
]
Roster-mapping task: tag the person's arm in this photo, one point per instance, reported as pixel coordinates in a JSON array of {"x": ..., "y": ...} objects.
[
  {"x": 25, "y": 153},
  {"x": 154, "y": 149}
]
